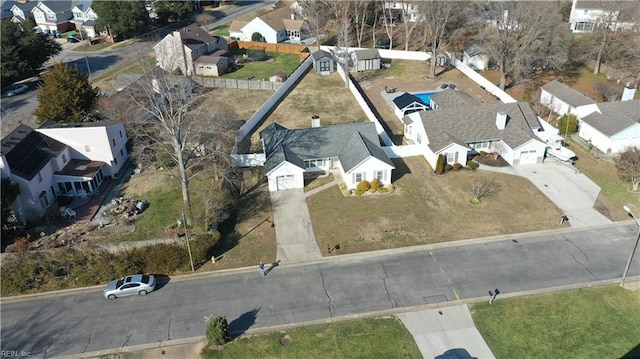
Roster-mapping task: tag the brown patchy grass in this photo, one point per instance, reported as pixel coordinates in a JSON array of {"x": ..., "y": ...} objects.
[
  {"x": 325, "y": 96},
  {"x": 615, "y": 192},
  {"x": 242, "y": 102},
  {"x": 426, "y": 209}
]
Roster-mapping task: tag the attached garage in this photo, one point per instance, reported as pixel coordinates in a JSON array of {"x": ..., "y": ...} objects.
[{"x": 528, "y": 157}]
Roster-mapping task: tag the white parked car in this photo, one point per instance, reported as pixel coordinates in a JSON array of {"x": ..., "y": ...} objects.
[{"x": 139, "y": 284}]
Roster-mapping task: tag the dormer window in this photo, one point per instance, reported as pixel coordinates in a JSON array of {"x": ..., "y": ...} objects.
[{"x": 51, "y": 16}]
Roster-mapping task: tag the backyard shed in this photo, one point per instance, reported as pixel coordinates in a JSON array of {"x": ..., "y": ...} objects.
[
  {"x": 562, "y": 99},
  {"x": 474, "y": 57},
  {"x": 367, "y": 59},
  {"x": 323, "y": 62}
]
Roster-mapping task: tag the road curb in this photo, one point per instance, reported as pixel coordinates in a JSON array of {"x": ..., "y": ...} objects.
[
  {"x": 330, "y": 259},
  {"x": 373, "y": 314}
]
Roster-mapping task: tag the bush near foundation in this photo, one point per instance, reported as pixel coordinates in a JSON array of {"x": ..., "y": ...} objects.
[{"x": 362, "y": 187}]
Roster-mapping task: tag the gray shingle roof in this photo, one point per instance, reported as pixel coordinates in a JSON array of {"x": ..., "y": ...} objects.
[
  {"x": 478, "y": 123},
  {"x": 366, "y": 54},
  {"x": 453, "y": 99},
  {"x": 352, "y": 144},
  {"x": 320, "y": 54},
  {"x": 567, "y": 94},
  {"x": 614, "y": 116},
  {"x": 473, "y": 50}
]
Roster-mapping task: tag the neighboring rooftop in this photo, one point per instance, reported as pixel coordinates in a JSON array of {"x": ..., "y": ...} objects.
[
  {"x": 567, "y": 94},
  {"x": 467, "y": 124},
  {"x": 28, "y": 151},
  {"x": 614, "y": 116},
  {"x": 449, "y": 98}
]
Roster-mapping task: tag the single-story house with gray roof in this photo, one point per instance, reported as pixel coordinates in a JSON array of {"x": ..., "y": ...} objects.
[
  {"x": 614, "y": 127},
  {"x": 562, "y": 99},
  {"x": 459, "y": 133},
  {"x": 408, "y": 103},
  {"x": 353, "y": 149},
  {"x": 366, "y": 59},
  {"x": 449, "y": 98}
]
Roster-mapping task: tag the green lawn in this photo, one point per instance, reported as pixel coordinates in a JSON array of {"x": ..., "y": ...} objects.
[
  {"x": 222, "y": 30},
  {"x": 586, "y": 323},
  {"x": 368, "y": 338},
  {"x": 262, "y": 70}
]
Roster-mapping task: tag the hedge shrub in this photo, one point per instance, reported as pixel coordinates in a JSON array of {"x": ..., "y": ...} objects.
[
  {"x": 483, "y": 153},
  {"x": 457, "y": 166},
  {"x": 473, "y": 165},
  {"x": 439, "y": 164},
  {"x": 448, "y": 167},
  {"x": 375, "y": 184},
  {"x": 218, "y": 331},
  {"x": 362, "y": 187}
]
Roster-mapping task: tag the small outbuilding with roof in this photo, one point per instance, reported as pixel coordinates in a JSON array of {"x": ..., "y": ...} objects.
[
  {"x": 323, "y": 62},
  {"x": 563, "y": 100},
  {"x": 408, "y": 103},
  {"x": 366, "y": 59}
]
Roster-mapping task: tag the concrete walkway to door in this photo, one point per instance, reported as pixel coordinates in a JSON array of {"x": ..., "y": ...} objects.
[
  {"x": 294, "y": 231},
  {"x": 570, "y": 190}
]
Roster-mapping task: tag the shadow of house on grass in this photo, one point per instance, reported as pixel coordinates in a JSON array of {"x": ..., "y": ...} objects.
[
  {"x": 240, "y": 325},
  {"x": 401, "y": 169}
]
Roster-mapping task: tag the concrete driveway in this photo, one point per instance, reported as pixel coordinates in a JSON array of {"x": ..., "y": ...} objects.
[
  {"x": 447, "y": 331},
  {"x": 294, "y": 231},
  {"x": 570, "y": 190}
]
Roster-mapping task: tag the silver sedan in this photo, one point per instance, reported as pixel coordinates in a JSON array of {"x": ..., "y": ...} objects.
[
  {"x": 139, "y": 284},
  {"x": 17, "y": 89}
]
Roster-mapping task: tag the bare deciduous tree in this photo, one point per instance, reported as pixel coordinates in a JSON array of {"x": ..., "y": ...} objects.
[
  {"x": 361, "y": 15},
  {"x": 482, "y": 187},
  {"x": 194, "y": 141},
  {"x": 316, "y": 14},
  {"x": 389, "y": 20},
  {"x": 437, "y": 16},
  {"x": 341, "y": 12},
  {"x": 407, "y": 9},
  {"x": 498, "y": 148},
  {"x": 628, "y": 165},
  {"x": 519, "y": 30}
]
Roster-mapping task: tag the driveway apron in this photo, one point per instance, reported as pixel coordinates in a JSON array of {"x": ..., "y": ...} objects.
[
  {"x": 568, "y": 188},
  {"x": 294, "y": 231},
  {"x": 447, "y": 331}
]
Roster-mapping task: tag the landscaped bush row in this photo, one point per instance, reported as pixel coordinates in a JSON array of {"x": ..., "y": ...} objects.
[{"x": 33, "y": 272}]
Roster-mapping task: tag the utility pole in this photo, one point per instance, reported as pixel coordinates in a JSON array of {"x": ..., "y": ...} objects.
[{"x": 186, "y": 236}]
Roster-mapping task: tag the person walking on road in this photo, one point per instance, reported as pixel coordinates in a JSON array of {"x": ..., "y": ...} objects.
[{"x": 261, "y": 267}]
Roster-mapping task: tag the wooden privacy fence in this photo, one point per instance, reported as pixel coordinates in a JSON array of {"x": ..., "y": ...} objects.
[
  {"x": 236, "y": 84},
  {"x": 302, "y": 50}
]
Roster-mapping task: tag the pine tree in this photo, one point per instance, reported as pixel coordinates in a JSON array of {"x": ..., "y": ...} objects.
[{"x": 66, "y": 96}]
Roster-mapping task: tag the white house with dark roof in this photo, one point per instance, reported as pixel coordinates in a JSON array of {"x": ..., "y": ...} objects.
[
  {"x": 587, "y": 15},
  {"x": 60, "y": 159},
  {"x": 613, "y": 127},
  {"x": 458, "y": 133},
  {"x": 85, "y": 18},
  {"x": 276, "y": 26},
  {"x": 562, "y": 99},
  {"x": 353, "y": 149},
  {"x": 408, "y": 103},
  {"x": 22, "y": 10},
  {"x": 180, "y": 49}
]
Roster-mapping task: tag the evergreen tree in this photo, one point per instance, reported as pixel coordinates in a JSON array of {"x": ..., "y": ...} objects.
[
  {"x": 175, "y": 10},
  {"x": 122, "y": 18},
  {"x": 568, "y": 124},
  {"x": 65, "y": 96},
  {"x": 23, "y": 50},
  {"x": 440, "y": 164}
]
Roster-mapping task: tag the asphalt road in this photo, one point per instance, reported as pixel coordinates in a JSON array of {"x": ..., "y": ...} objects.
[{"x": 84, "y": 321}]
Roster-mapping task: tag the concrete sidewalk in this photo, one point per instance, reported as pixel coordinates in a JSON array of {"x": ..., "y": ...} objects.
[
  {"x": 569, "y": 189},
  {"x": 294, "y": 231},
  {"x": 447, "y": 331}
]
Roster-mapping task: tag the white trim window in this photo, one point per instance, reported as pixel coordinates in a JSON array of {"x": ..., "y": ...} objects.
[
  {"x": 450, "y": 157},
  {"x": 358, "y": 177},
  {"x": 39, "y": 177},
  {"x": 418, "y": 138},
  {"x": 380, "y": 175},
  {"x": 314, "y": 163},
  {"x": 51, "y": 16},
  {"x": 44, "y": 201}
]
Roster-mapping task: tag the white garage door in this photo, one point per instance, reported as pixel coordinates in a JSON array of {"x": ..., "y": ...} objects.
[
  {"x": 286, "y": 182},
  {"x": 527, "y": 157}
]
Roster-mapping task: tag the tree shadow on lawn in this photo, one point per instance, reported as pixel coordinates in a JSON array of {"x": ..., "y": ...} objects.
[{"x": 251, "y": 205}]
